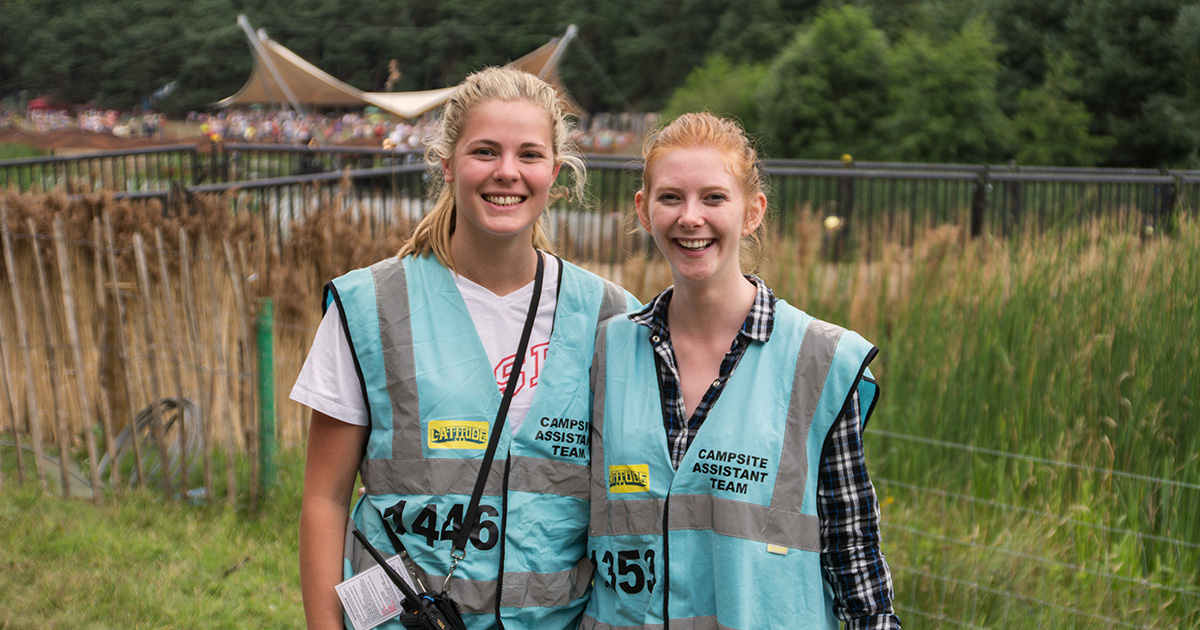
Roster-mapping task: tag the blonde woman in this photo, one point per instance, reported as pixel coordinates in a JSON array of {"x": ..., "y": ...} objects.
[{"x": 410, "y": 366}]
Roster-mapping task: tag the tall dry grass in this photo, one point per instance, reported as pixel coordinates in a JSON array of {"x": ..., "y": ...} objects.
[
  {"x": 1036, "y": 436},
  {"x": 165, "y": 307}
]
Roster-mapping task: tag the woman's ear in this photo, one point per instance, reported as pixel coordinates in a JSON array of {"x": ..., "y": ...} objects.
[
  {"x": 643, "y": 213},
  {"x": 755, "y": 211},
  {"x": 447, "y": 174}
]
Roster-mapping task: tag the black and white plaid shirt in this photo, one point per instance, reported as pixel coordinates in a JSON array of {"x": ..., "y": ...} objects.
[{"x": 851, "y": 559}]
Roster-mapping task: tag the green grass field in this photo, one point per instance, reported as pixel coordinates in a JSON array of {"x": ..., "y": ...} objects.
[
  {"x": 18, "y": 151},
  {"x": 142, "y": 562}
]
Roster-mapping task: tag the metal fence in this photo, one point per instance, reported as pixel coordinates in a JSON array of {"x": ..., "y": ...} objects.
[
  {"x": 125, "y": 170},
  {"x": 873, "y": 202}
]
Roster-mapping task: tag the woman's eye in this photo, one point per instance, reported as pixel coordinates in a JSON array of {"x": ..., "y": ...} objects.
[
  {"x": 716, "y": 198},
  {"x": 483, "y": 151},
  {"x": 531, "y": 155},
  {"x": 667, "y": 197}
]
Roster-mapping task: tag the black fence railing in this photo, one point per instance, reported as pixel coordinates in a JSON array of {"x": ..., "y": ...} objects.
[
  {"x": 241, "y": 162},
  {"x": 865, "y": 203},
  {"x": 161, "y": 167},
  {"x": 128, "y": 169},
  {"x": 896, "y": 201}
]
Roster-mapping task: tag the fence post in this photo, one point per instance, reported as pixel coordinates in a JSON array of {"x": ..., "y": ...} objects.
[
  {"x": 845, "y": 201},
  {"x": 266, "y": 395},
  {"x": 1167, "y": 195},
  {"x": 195, "y": 155},
  {"x": 979, "y": 202},
  {"x": 1012, "y": 193},
  {"x": 220, "y": 161}
]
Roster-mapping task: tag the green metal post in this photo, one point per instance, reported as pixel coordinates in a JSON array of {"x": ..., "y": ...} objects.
[{"x": 266, "y": 395}]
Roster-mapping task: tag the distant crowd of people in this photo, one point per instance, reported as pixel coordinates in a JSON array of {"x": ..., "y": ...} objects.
[
  {"x": 601, "y": 133},
  {"x": 144, "y": 125},
  {"x": 290, "y": 127},
  {"x": 614, "y": 133},
  {"x": 598, "y": 133}
]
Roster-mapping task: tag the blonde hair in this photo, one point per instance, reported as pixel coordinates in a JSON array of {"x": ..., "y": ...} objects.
[
  {"x": 432, "y": 234},
  {"x": 701, "y": 130}
]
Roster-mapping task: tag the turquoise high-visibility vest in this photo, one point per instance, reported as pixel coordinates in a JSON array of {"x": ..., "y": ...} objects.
[
  {"x": 732, "y": 538},
  {"x": 432, "y": 398}
]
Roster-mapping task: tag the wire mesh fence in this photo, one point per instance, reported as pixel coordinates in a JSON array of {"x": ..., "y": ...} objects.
[{"x": 1093, "y": 564}]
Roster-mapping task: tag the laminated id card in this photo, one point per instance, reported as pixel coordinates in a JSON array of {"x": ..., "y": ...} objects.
[{"x": 369, "y": 598}]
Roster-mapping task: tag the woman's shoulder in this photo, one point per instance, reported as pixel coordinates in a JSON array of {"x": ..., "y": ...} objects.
[
  {"x": 788, "y": 316},
  {"x": 386, "y": 263},
  {"x": 578, "y": 273},
  {"x": 621, "y": 299},
  {"x": 365, "y": 280}
]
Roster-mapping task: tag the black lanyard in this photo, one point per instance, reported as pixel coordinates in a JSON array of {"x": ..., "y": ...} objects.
[{"x": 459, "y": 551}]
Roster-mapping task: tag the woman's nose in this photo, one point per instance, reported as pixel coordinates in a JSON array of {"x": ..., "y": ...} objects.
[
  {"x": 506, "y": 169},
  {"x": 690, "y": 215}
]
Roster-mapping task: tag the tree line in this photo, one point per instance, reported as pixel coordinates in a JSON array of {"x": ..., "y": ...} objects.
[{"x": 1067, "y": 82}]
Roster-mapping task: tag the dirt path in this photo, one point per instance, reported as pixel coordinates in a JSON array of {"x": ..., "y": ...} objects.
[{"x": 71, "y": 140}]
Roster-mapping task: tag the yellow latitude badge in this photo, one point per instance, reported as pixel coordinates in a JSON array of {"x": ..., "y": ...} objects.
[
  {"x": 629, "y": 478},
  {"x": 464, "y": 434}
]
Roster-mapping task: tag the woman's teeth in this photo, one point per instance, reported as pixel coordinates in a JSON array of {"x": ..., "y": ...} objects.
[
  {"x": 507, "y": 200},
  {"x": 694, "y": 244}
]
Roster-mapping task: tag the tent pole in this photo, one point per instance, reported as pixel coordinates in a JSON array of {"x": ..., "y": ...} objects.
[
  {"x": 558, "y": 51},
  {"x": 261, "y": 53}
]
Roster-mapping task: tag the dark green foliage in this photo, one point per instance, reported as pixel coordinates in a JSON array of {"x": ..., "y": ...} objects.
[
  {"x": 827, "y": 91},
  {"x": 721, "y": 87},
  {"x": 1052, "y": 127},
  {"x": 1138, "y": 62},
  {"x": 928, "y": 80},
  {"x": 116, "y": 53},
  {"x": 944, "y": 99}
]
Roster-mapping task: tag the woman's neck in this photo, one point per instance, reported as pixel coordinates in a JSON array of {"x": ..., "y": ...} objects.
[
  {"x": 499, "y": 267},
  {"x": 712, "y": 311}
]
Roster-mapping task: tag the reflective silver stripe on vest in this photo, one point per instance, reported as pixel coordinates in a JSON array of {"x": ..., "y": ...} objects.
[
  {"x": 737, "y": 519},
  {"x": 395, "y": 336},
  {"x": 812, "y": 367},
  {"x": 598, "y": 479},
  {"x": 457, "y": 476},
  {"x": 521, "y": 589},
  {"x": 691, "y": 623},
  {"x": 613, "y": 303},
  {"x": 781, "y": 523}
]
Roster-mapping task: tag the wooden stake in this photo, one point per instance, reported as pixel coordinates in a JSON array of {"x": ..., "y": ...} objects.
[
  {"x": 123, "y": 352},
  {"x": 106, "y": 353},
  {"x": 176, "y": 358},
  {"x": 189, "y": 309},
  {"x": 85, "y": 404},
  {"x": 31, "y": 399},
  {"x": 239, "y": 359},
  {"x": 221, "y": 360},
  {"x": 156, "y": 421},
  {"x": 12, "y": 406},
  {"x": 249, "y": 383},
  {"x": 60, "y": 424}
]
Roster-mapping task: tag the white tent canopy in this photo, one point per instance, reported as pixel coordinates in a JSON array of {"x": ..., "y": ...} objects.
[{"x": 281, "y": 76}]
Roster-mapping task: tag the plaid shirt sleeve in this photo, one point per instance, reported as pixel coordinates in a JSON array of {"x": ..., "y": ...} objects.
[{"x": 851, "y": 559}]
